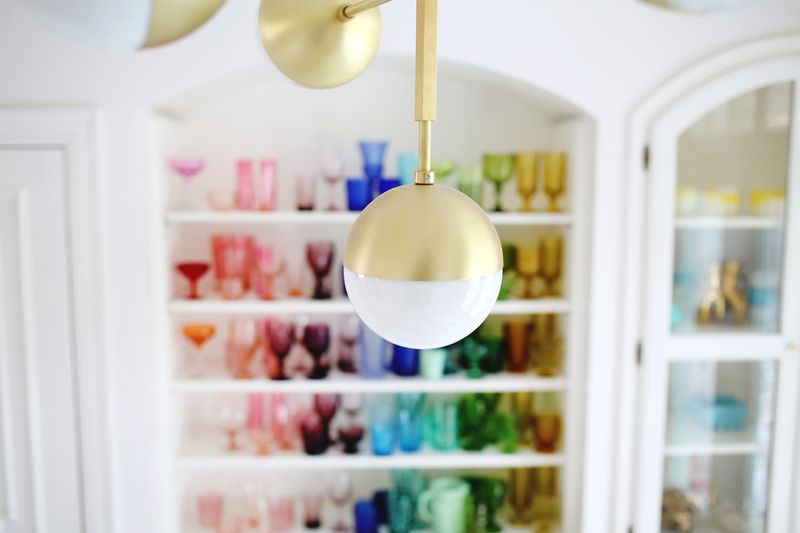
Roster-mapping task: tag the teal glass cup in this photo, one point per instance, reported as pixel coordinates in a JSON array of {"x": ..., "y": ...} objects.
[{"x": 441, "y": 423}]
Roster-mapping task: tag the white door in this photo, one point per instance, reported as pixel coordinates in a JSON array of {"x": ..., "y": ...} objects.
[
  {"x": 40, "y": 483},
  {"x": 719, "y": 376}
]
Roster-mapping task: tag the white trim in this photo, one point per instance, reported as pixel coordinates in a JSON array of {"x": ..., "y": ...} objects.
[
  {"x": 634, "y": 260},
  {"x": 75, "y": 130}
]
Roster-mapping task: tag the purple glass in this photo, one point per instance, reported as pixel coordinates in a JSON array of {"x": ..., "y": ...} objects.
[
  {"x": 281, "y": 338},
  {"x": 317, "y": 339},
  {"x": 405, "y": 361},
  {"x": 326, "y": 406},
  {"x": 314, "y": 431},
  {"x": 350, "y": 435},
  {"x": 312, "y": 507},
  {"x": 348, "y": 337},
  {"x": 320, "y": 258},
  {"x": 358, "y": 195},
  {"x": 387, "y": 184},
  {"x": 366, "y": 517}
]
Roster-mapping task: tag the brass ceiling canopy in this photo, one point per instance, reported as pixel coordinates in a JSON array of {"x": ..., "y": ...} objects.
[{"x": 319, "y": 43}]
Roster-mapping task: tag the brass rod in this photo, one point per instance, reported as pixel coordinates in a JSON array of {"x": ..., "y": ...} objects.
[
  {"x": 425, "y": 105},
  {"x": 349, "y": 11}
]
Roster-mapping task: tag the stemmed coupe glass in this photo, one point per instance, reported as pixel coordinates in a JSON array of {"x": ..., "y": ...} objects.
[
  {"x": 498, "y": 168},
  {"x": 187, "y": 168},
  {"x": 198, "y": 334},
  {"x": 193, "y": 271}
]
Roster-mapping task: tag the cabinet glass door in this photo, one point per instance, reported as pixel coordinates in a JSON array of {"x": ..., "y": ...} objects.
[
  {"x": 732, "y": 169},
  {"x": 718, "y": 441}
]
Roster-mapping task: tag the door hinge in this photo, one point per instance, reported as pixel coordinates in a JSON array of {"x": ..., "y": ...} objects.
[
  {"x": 646, "y": 157},
  {"x": 639, "y": 354}
]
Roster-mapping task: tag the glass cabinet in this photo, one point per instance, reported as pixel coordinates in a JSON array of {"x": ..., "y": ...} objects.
[{"x": 716, "y": 431}]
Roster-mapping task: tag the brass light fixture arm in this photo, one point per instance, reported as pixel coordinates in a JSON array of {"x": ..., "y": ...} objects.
[{"x": 349, "y": 11}]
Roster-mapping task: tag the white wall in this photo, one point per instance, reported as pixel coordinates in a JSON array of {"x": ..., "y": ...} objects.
[{"x": 603, "y": 55}]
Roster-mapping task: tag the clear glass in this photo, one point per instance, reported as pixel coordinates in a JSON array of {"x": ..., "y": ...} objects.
[
  {"x": 718, "y": 445},
  {"x": 729, "y": 235}
]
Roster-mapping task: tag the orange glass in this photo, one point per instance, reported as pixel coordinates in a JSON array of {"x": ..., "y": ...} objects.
[
  {"x": 198, "y": 334},
  {"x": 517, "y": 338},
  {"x": 547, "y": 431}
]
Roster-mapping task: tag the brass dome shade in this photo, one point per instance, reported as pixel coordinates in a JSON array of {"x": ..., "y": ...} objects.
[
  {"x": 172, "y": 19},
  {"x": 313, "y": 44},
  {"x": 423, "y": 233}
]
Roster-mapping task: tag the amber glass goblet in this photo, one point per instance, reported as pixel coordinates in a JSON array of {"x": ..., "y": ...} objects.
[
  {"x": 498, "y": 168},
  {"x": 527, "y": 173},
  {"x": 555, "y": 177},
  {"x": 552, "y": 263},
  {"x": 529, "y": 268},
  {"x": 198, "y": 334},
  {"x": 193, "y": 271},
  {"x": 547, "y": 345},
  {"x": 520, "y": 495},
  {"x": 281, "y": 339}
]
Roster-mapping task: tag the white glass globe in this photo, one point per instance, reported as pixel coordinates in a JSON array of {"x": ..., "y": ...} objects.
[{"x": 422, "y": 314}]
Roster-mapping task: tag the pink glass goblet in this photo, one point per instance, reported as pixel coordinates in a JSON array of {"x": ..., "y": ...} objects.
[
  {"x": 281, "y": 514},
  {"x": 341, "y": 493},
  {"x": 320, "y": 258},
  {"x": 232, "y": 419},
  {"x": 193, "y": 271},
  {"x": 267, "y": 269},
  {"x": 209, "y": 509},
  {"x": 281, "y": 340},
  {"x": 280, "y": 421},
  {"x": 241, "y": 347},
  {"x": 332, "y": 173},
  {"x": 233, "y": 263},
  {"x": 268, "y": 186},
  {"x": 317, "y": 340}
]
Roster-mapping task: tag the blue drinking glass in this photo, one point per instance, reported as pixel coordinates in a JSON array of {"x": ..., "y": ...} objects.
[
  {"x": 358, "y": 194},
  {"x": 407, "y": 164},
  {"x": 387, "y": 184},
  {"x": 366, "y": 517},
  {"x": 405, "y": 361},
  {"x": 382, "y": 422},
  {"x": 381, "y": 501},
  {"x": 373, "y": 353},
  {"x": 373, "y": 152},
  {"x": 409, "y": 421}
]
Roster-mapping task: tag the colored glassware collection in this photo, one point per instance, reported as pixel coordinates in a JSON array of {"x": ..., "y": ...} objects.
[
  {"x": 385, "y": 424},
  {"x": 413, "y": 501},
  {"x": 280, "y": 349}
]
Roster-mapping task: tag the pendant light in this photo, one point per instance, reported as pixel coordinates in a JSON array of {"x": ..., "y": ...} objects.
[
  {"x": 423, "y": 262},
  {"x": 128, "y": 24}
]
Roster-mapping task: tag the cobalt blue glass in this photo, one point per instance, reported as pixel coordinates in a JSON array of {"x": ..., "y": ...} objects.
[
  {"x": 358, "y": 194},
  {"x": 387, "y": 184},
  {"x": 366, "y": 517},
  {"x": 405, "y": 361},
  {"x": 409, "y": 421},
  {"x": 381, "y": 501},
  {"x": 382, "y": 426},
  {"x": 373, "y": 152},
  {"x": 373, "y": 353}
]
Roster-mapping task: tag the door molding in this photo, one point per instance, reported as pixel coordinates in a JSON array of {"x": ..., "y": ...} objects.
[
  {"x": 633, "y": 261},
  {"x": 75, "y": 131}
]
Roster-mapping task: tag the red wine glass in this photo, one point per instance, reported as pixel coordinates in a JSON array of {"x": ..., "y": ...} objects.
[
  {"x": 281, "y": 340},
  {"x": 193, "y": 271}
]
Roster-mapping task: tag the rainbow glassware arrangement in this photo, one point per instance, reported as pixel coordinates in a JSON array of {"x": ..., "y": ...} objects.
[
  {"x": 387, "y": 424},
  {"x": 300, "y": 348},
  {"x": 411, "y": 501}
]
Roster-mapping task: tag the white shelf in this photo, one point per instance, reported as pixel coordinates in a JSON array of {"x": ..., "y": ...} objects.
[
  {"x": 253, "y": 306},
  {"x": 336, "y": 461},
  {"x": 340, "y": 217},
  {"x": 714, "y": 448},
  {"x": 553, "y": 527},
  {"x": 731, "y": 222},
  {"x": 689, "y": 439},
  {"x": 387, "y": 385}
]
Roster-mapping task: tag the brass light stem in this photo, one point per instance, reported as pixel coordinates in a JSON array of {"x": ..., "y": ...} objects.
[
  {"x": 425, "y": 108},
  {"x": 349, "y": 11}
]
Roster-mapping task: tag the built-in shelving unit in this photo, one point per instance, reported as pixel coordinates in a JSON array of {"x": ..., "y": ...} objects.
[{"x": 210, "y": 124}]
